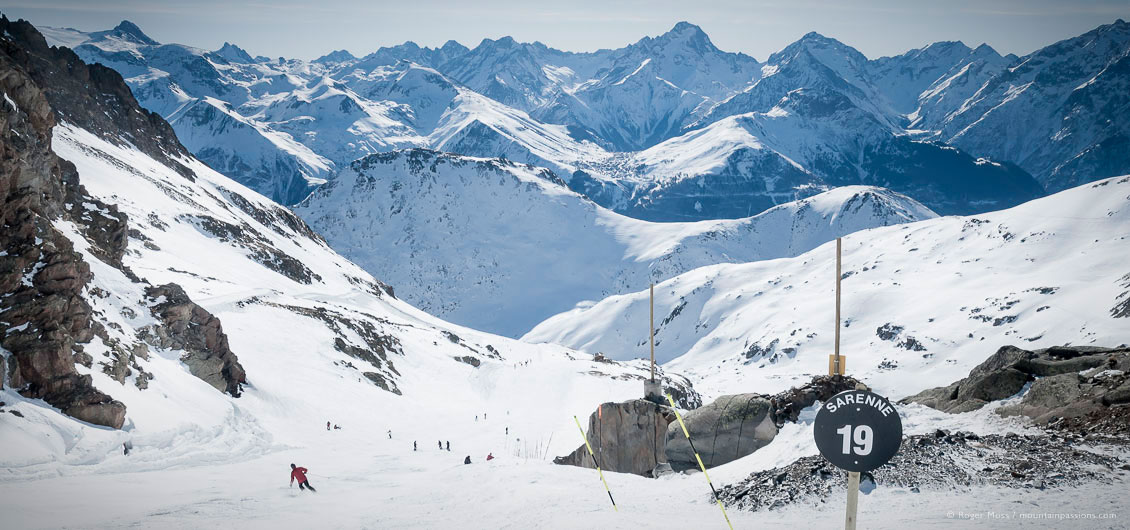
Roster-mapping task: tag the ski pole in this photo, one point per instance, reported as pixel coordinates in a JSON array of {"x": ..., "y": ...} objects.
[
  {"x": 595, "y": 463},
  {"x": 699, "y": 458}
]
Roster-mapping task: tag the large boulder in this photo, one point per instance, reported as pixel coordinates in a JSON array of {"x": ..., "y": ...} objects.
[
  {"x": 627, "y": 437},
  {"x": 727, "y": 429}
]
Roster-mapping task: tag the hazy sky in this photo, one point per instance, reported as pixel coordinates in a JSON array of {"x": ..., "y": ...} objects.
[{"x": 306, "y": 29}]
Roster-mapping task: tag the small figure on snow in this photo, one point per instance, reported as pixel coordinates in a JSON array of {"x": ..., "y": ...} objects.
[
  {"x": 299, "y": 474},
  {"x": 413, "y": 445},
  {"x": 490, "y": 456},
  {"x": 390, "y": 434},
  {"x": 337, "y": 427},
  {"x": 449, "y": 446},
  {"x": 467, "y": 460},
  {"x": 126, "y": 447},
  {"x": 440, "y": 442},
  {"x": 508, "y": 431},
  {"x": 476, "y": 417},
  {"x": 327, "y": 425}
]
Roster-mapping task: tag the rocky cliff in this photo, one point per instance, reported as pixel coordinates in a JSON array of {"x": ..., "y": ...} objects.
[{"x": 44, "y": 281}]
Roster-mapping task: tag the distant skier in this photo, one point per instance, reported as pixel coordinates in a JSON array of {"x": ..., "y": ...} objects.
[
  {"x": 508, "y": 431},
  {"x": 440, "y": 442},
  {"x": 126, "y": 447},
  {"x": 467, "y": 460},
  {"x": 327, "y": 425},
  {"x": 299, "y": 474},
  {"x": 490, "y": 456},
  {"x": 449, "y": 446},
  {"x": 484, "y": 415},
  {"x": 390, "y": 434},
  {"x": 337, "y": 427},
  {"x": 413, "y": 445},
  {"x": 476, "y": 417}
]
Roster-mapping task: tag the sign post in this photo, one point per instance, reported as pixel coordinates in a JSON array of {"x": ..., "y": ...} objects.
[{"x": 856, "y": 431}]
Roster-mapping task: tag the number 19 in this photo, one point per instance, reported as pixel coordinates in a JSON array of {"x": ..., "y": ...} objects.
[{"x": 862, "y": 435}]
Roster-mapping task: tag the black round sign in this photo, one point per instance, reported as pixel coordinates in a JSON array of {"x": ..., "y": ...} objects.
[{"x": 857, "y": 430}]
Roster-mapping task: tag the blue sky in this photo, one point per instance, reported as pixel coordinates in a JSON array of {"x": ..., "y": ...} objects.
[{"x": 304, "y": 29}]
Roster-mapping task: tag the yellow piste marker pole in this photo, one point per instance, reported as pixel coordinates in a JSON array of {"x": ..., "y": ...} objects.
[
  {"x": 699, "y": 458},
  {"x": 595, "y": 463}
]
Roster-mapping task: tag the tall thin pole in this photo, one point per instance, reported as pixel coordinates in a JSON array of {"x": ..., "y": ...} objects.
[
  {"x": 838, "y": 275},
  {"x": 853, "y": 476},
  {"x": 651, "y": 319}
]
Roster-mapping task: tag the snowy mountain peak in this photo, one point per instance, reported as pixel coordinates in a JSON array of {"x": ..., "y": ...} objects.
[
  {"x": 336, "y": 56},
  {"x": 827, "y": 49},
  {"x": 129, "y": 31},
  {"x": 233, "y": 54},
  {"x": 985, "y": 49},
  {"x": 685, "y": 35},
  {"x": 503, "y": 43},
  {"x": 452, "y": 47}
]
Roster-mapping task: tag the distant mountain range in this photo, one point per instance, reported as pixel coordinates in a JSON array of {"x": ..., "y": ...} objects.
[{"x": 667, "y": 128}]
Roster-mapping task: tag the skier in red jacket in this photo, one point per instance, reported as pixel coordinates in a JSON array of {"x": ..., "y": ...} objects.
[{"x": 299, "y": 474}]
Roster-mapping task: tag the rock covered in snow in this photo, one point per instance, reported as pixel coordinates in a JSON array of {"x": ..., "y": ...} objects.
[
  {"x": 1057, "y": 383},
  {"x": 191, "y": 328}
]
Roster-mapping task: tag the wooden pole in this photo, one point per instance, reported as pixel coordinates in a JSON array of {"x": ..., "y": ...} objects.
[
  {"x": 852, "y": 500},
  {"x": 652, "y": 336},
  {"x": 853, "y": 476},
  {"x": 838, "y": 274}
]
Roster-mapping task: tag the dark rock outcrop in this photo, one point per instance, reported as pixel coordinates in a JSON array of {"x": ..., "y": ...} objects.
[
  {"x": 1054, "y": 373},
  {"x": 42, "y": 277},
  {"x": 92, "y": 96},
  {"x": 627, "y": 437},
  {"x": 189, "y": 327}
]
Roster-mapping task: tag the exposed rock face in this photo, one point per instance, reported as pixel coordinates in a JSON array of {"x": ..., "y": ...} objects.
[
  {"x": 1058, "y": 390},
  {"x": 41, "y": 275},
  {"x": 43, "y": 280},
  {"x": 192, "y": 328},
  {"x": 92, "y": 96},
  {"x": 628, "y": 437}
]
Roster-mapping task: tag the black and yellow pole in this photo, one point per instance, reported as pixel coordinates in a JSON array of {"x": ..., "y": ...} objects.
[
  {"x": 595, "y": 463},
  {"x": 699, "y": 458}
]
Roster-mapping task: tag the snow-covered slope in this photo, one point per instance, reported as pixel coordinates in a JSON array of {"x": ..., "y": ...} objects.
[
  {"x": 921, "y": 301},
  {"x": 500, "y": 246}
]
